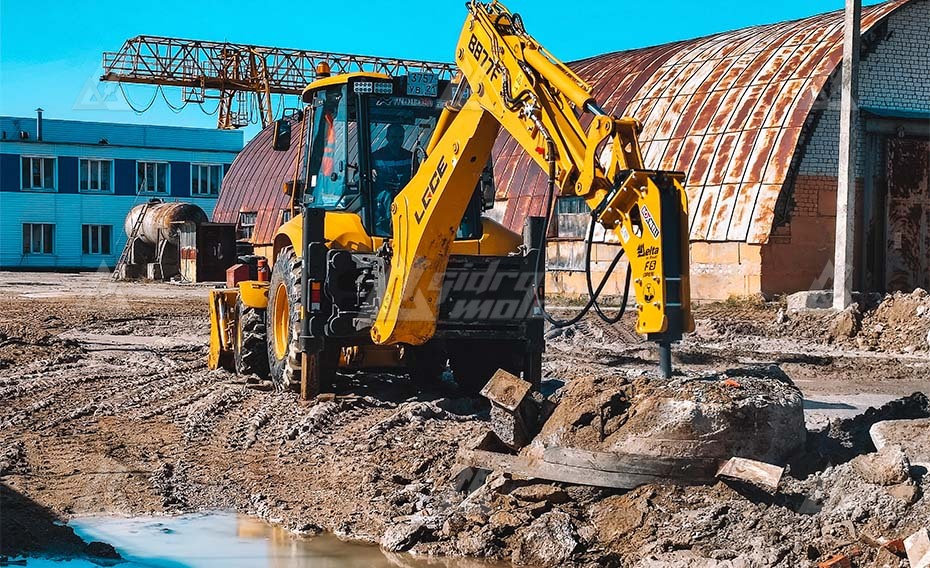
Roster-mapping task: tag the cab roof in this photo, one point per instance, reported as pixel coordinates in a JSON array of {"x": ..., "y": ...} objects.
[{"x": 339, "y": 79}]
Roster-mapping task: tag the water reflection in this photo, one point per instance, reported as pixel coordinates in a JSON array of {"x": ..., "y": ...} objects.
[{"x": 228, "y": 540}]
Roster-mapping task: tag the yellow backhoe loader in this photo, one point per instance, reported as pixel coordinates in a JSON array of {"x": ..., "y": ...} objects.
[{"x": 387, "y": 261}]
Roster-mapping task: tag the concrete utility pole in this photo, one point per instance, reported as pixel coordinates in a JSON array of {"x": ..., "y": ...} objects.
[{"x": 846, "y": 179}]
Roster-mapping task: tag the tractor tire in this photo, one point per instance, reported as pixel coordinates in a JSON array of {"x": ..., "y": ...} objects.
[
  {"x": 250, "y": 353},
  {"x": 474, "y": 361},
  {"x": 282, "y": 321}
]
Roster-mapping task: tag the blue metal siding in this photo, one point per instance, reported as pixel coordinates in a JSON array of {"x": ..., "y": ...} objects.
[
  {"x": 124, "y": 173},
  {"x": 9, "y": 172},
  {"x": 67, "y": 175},
  {"x": 143, "y": 136},
  {"x": 180, "y": 173},
  {"x": 68, "y": 212}
]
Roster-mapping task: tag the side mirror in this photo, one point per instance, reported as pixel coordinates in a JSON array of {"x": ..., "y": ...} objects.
[{"x": 281, "y": 139}]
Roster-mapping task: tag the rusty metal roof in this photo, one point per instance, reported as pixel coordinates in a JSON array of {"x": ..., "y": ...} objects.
[
  {"x": 254, "y": 184},
  {"x": 728, "y": 109}
]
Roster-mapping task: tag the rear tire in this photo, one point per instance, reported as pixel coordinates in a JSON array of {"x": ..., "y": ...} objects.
[
  {"x": 249, "y": 349},
  {"x": 283, "y": 321},
  {"x": 474, "y": 361}
]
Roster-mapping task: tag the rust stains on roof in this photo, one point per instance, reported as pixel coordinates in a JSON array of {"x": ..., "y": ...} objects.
[
  {"x": 727, "y": 109},
  {"x": 254, "y": 184}
]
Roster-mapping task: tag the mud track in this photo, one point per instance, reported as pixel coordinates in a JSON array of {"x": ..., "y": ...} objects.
[{"x": 106, "y": 406}]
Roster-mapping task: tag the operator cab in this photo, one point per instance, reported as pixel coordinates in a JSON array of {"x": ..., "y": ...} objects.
[{"x": 367, "y": 136}]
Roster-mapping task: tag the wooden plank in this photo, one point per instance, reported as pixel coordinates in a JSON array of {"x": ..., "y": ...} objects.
[
  {"x": 540, "y": 469},
  {"x": 681, "y": 470}
]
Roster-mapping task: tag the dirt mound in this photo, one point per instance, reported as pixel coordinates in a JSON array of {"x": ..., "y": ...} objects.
[
  {"x": 900, "y": 323},
  {"x": 835, "y": 510}
]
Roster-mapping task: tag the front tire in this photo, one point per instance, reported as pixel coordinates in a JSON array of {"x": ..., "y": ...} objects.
[
  {"x": 249, "y": 349},
  {"x": 283, "y": 321}
]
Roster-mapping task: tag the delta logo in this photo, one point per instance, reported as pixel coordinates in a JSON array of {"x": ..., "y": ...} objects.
[{"x": 643, "y": 250}]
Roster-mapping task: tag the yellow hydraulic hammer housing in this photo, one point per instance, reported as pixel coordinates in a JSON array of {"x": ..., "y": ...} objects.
[{"x": 224, "y": 318}]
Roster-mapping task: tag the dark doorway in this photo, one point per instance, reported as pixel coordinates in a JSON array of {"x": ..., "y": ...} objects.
[{"x": 907, "y": 238}]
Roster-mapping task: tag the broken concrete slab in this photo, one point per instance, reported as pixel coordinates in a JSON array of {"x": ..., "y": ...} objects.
[
  {"x": 810, "y": 300},
  {"x": 549, "y": 541},
  {"x": 760, "y": 474},
  {"x": 888, "y": 466},
  {"x": 913, "y": 436},
  {"x": 514, "y": 414},
  {"x": 402, "y": 536},
  {"x": 694, "y": 418},
  {"x": 917, "y": 547}
]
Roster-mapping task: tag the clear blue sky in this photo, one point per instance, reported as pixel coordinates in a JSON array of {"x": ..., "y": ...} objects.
[{"x": 50, "y": 51}]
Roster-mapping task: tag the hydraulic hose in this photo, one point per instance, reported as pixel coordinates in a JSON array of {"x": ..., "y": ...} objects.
[{"x": 541, "y": 255}]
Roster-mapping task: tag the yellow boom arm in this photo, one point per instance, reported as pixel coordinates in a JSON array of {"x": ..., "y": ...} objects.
[{"x": 516, "y": 84}]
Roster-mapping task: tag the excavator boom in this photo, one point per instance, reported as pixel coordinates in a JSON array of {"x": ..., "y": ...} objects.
[{"x": 515, "y": 84}]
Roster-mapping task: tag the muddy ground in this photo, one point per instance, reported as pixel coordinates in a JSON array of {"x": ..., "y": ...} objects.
[{"x": 106, "y": 406}]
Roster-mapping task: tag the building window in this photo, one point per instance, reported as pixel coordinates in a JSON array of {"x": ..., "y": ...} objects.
[
  {"x": 152, "y": 177},
  {"x": 246, "y": 224},
  {"x": 38, "y": 238},
  {"x": 206, "y": 179},
  {"x": 571, "y": 205},
  {"x": 96, "y": 238},
  {"x": 95, "y": 175},
  {"x": 38, "y": 172}
]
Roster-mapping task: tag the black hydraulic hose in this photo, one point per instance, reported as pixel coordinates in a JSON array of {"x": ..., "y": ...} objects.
[
  {"x": 587, "y": 273},
  {"x": 541, "y": 255}
]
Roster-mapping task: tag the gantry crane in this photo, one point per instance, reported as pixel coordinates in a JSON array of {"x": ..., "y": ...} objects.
[{"x": 241, "y": 77}]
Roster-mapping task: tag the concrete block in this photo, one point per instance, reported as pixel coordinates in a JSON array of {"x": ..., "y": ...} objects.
[
  {"x": 810, "y": 300},
  {"x": 917, "y": 547},
  {"x": 912, "y": 435}
]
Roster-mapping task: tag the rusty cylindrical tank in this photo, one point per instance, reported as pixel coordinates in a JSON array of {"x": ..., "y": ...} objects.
[{"x": 162, "y": 221}]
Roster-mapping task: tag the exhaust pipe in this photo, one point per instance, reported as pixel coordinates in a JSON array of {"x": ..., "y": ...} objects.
[{"x": 39, "y": 124}]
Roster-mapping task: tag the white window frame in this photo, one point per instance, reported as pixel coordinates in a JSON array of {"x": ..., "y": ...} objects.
[
  {"x": 164, "y": 191},
  {"x": 195, "y": 167},
  {"x": 23, "y": 181},
  {"x": 96, "y": 234},
  {"x": 91, "y": 163},
  {"x": 240, "y": 226},
  {"x": 32, "y": 228}
]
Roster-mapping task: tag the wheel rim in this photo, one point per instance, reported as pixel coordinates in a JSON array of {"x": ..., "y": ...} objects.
[{"x": 282, "y": 321}]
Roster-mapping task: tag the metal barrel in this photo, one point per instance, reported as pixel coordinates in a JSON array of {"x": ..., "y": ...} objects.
[{"x": 162, "y": 221}]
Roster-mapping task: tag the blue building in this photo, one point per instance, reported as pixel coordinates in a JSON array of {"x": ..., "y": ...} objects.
[{"x": 66, "y": 186}]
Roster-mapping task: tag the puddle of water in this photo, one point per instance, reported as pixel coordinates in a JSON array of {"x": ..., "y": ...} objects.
[{"x": 231, "y": 541}]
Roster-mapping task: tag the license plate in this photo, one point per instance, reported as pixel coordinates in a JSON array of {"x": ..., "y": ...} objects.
[{"x": 422, "y": 85}]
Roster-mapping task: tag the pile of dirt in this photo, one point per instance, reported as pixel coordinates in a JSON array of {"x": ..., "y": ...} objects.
[{"x": 900, "y": 323}]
